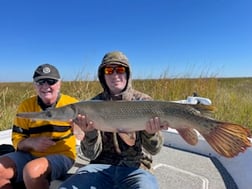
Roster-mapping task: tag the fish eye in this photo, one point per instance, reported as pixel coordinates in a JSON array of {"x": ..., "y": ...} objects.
[{"x": 48, "y": 114}]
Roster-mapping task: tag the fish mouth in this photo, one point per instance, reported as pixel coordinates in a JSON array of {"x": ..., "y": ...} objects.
[{"x": 46, "y": 115}]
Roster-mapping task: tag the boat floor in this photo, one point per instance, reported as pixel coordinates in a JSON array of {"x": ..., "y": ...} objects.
[{"x": 176, "y": 168}]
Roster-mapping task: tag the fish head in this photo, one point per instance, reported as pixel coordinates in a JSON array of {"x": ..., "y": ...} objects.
[{"x": 64, "y": 113}]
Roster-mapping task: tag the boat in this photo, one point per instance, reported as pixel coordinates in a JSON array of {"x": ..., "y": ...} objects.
[{"x": 180, "y": 165}]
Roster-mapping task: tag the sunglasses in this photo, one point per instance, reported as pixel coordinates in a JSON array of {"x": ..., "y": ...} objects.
[
  {"x": 48, "y": 81},
  {"x": 118, "y": 69}
]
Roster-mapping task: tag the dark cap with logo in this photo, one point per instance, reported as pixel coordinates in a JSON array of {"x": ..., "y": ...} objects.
[{"x": 46, "y": 71}]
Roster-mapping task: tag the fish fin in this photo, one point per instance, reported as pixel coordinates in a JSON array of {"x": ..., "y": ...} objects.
[
  {"x": 205, "y": 110},
  {"x": 78, "y": 133},
  {"x": 128, "y": 138},
  {"x": 228, "y": 139},
  {"x": 189, "y": 135}
]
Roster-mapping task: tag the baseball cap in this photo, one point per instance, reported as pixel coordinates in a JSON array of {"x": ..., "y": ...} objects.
[{"x": 46, "y": 71}]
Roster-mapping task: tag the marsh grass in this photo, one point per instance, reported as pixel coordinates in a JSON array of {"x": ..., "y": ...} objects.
[{"x": 232, "y": 96}]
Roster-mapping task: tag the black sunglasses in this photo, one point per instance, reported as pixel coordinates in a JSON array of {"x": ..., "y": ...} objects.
[{"x": 48, "y": 81}]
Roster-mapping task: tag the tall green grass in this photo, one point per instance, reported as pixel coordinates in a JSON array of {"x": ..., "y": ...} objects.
[{"x": 232, "y": 96}]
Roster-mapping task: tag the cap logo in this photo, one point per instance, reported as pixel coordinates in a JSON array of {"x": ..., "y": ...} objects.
[{"x": 46, "y": 70}]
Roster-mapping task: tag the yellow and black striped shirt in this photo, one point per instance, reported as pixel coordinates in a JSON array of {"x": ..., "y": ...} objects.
[{"x": 60, "y": 132}]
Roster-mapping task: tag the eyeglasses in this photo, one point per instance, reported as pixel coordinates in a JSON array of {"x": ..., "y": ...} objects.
[
  {"x": 118, "y": 69},
  {"x": 48, "y": 81}
]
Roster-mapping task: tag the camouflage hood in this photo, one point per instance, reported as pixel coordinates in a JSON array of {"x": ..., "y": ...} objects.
[{"x": 115, "y": 58}]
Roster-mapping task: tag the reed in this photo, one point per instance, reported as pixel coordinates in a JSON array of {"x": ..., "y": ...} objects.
[{"x": 231, "y": 96}]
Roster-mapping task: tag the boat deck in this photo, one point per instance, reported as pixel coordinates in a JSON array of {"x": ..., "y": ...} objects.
[{"x": 176, "y": 168}]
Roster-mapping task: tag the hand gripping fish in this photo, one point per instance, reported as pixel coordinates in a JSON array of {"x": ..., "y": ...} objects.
[{"x": 227, "y": 139}]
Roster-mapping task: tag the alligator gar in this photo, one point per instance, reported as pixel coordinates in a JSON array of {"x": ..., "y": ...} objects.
[{"x": 227, "y": 139}]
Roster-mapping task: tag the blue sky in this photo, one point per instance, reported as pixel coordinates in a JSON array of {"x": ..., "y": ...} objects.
[{"x": 173, "y": 38}]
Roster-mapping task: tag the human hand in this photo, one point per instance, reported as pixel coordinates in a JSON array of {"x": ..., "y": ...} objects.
[
  {"x": 154, "y": 125},
  {"x": 80, "y": 125},
  {"x": 39, "y": 144}
]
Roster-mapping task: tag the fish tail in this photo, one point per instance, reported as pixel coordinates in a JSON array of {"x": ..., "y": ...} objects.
[{"x": 228, "y": 139}]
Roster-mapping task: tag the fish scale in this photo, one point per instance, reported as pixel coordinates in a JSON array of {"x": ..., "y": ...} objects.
[{"x": 126, "y": 112}]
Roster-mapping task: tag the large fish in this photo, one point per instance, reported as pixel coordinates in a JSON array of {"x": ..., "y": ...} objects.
[{"x": 227, "y": 139}]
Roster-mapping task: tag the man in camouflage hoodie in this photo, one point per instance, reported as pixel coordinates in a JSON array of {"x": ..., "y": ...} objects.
[{"x": 117, "y": 160}]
